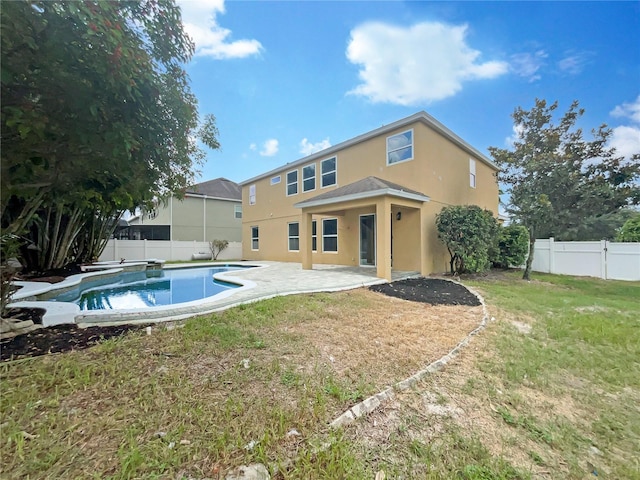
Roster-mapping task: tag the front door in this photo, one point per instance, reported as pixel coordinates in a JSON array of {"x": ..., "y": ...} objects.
[{"x": 368, "y": 240}]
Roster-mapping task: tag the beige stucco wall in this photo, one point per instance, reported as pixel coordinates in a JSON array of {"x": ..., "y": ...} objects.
[
  {"x": 439, "y": 169},
  {"x": 197, "y": 218}
]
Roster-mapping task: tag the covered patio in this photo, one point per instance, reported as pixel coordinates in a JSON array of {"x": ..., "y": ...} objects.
[{"x": 384, "y": 224}]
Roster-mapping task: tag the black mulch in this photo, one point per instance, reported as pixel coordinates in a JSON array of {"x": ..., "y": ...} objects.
[
  {"x": 59, "y": 338},
  {"x": 429, "y": 290}
]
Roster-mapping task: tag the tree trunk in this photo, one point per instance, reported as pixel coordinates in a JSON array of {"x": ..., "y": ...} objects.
[{"x": 527, "y": 268}]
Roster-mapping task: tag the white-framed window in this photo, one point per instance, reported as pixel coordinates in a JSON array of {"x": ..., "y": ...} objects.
[
  {"x": 328, "y": 172},
  {"x": 292, "y": 182},
  {"x": 472, "y": 173},
  {"x": 237, "y": 211},
  {"x": 255, "y": 237},
  {"x": 294, "y": 236},
  {"x": 314, "y": 236},
  {"x": 400, "y": 147},
  {"x": 252, "y": 194},
  {"x": 309, "y": 177},
  {"x": 276, "y": 180},
  {"x": 330, "y": 235}
]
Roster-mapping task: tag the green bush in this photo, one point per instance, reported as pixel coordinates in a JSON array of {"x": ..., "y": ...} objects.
[
  {"x": 630, "y": 231},
  {"x": 512, "y": 248},
  {"x": 469, "y": 233}
]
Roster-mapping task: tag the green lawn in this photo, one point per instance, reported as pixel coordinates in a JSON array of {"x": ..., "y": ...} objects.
[{"x": 561, "y": 401}]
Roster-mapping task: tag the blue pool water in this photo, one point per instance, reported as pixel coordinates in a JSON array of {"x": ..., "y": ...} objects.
[{"x": 151, "y": 288}]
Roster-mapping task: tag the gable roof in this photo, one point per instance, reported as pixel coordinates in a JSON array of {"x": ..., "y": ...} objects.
[
  {"x": 366, "y": 188},
  {"x": 422, "y": 116},
  {"x": 218, "y": 188}
]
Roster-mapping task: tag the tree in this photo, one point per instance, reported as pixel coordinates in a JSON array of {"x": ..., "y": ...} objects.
[
  {"x": 512, "y": 248},
  {"x": 469, "y": 233},
  {"x": 630, "y": 231},
  {"x": 217, "y": 246},
  {"x": 97, "y": 118},
  {"x": 560, "y": 184}
]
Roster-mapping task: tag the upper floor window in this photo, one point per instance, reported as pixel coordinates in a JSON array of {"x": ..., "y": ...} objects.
[
  {"x": 237, "y": 211},
  {"x": 252, "y": 194},
  {"x": 292, "y": 182},
  {"x": 330, "y": 235},
  {"x": 400, "y": 147},
  {"x": 275, "y": 180},
  {"x": 472, "y": 173},
  {"x": 294, "y": 236},
  {"x": 328, "y": 170},
  {"x": 309, "y": 178}
]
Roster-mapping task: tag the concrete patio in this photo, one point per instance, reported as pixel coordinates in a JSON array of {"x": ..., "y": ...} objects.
[{"x": 268, "y": 280}]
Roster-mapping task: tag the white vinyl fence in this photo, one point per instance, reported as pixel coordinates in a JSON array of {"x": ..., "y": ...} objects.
[
  {"x": 165, "y": 250},
  {"x": 603, "y": 259}
]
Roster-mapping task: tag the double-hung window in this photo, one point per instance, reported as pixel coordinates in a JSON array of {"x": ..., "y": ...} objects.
[
  {"x": 328, "y": 170},
  {"x": 292, "y": 182},
  {"x": 472, "y": 173},
  {"x": 294, "y": 236},
  {"x": 400, "y": 147},
  {"x": 237, "y": 211},
  {"x": 330, "y": 235},
  {"x": 309, "y": 178},
  {"x": 252, "y": 194},
  {"x": 255, "y": 237}
]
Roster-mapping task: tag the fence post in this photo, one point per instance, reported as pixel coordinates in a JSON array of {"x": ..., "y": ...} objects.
[
  {"x": 552, "y": 256},
  {"x": 603, "y": 259}
]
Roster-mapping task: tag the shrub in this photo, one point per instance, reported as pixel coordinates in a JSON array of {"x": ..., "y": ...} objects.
[
  {"x": 630, "y": 231},
  {"x": 217, "y": 246},
  {"x": 512, "y": 248},
  {"x": 469, "y": 233}
]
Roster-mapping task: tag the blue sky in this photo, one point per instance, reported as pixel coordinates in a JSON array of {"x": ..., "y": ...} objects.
[{"x": 286, "y": 79}]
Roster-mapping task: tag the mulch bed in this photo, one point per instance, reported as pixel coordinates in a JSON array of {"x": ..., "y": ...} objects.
[
  {"x": 429, "y": 290},
  {"x": 59, "y": 338},
  {"x": 62, "y": 338}
]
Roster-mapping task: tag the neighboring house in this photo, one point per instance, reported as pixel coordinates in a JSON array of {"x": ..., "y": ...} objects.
[
  {"x": 209, "y": 210},
  {"x": 369, "y": 201}
]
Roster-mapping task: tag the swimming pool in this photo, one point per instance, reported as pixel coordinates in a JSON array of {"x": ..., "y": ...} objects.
[{"x": 151, "y": 288}]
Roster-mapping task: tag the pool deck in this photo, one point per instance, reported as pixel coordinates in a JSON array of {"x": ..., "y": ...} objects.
[{"x": 271, "y": 279}]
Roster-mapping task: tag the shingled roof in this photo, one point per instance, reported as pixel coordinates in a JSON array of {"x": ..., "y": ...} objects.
[
  {"x": 218, "y": 188},
  {"x": 365, "y": 188}
]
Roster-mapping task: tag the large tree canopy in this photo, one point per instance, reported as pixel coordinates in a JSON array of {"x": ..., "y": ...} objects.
[
  {"x": 97, "y": 117},
  {"x": 560, "y": 184}
]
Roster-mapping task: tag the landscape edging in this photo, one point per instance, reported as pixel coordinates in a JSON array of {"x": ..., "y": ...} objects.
[{"x": 368, "y": 405}]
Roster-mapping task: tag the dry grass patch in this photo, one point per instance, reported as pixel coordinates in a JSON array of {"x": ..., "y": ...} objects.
[{"x": 257, "y": 383}]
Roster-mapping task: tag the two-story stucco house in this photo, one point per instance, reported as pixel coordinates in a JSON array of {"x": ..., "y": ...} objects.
[
  {"x": 370, "y": 201},
  {"x": 209, "y": 210}
]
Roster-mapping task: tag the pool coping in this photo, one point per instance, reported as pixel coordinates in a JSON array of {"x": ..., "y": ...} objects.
[
  {"x": 250, "y": 291},
  {"x": 57, "y": 313}
]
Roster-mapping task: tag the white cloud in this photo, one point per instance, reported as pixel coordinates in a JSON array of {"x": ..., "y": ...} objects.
[
  {"x": 629, "y": 110},
  {"x": 212, "y": 40},
  {"x": 419, "y": 64},
  {"x": 269, "y": 148},
  {"x": 307, "y": 148},
  {"x": 574, "y": 63},
  {"x": 253, "y": 146},
  {"x": 527, "y": 65},
  {"x": 516, "y": 136},
  {"x": 626, "y": 138}
]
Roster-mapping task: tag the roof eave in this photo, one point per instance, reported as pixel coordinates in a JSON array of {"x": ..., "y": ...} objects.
[
  {"x": 361, "y": 196},
  {"x": 422, "y": 116}
]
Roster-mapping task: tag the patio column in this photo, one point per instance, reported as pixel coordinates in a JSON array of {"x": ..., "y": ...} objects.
[
  {"x": 383, "y": 238},
  {"x": 305, "y": 240},
  {"x": 424, "y": 244}
]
